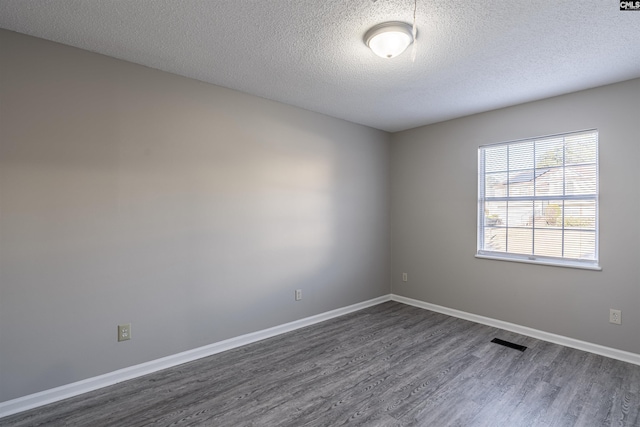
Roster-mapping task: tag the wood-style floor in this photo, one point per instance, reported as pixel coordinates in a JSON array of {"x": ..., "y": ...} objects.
[{"x": 388, "y": 365}]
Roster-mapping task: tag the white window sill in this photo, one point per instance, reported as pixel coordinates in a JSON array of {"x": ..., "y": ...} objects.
[{"x": 567, "y": 264}]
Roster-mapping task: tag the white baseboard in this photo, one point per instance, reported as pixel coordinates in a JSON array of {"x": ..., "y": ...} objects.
[
  {"x": 45, "y": 397},
  {"x": 69, "y": 390},
  {"x": 613, "y": 353}
]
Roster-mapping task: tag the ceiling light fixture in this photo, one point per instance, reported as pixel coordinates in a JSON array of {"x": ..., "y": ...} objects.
[{"x": 389, "y": 39}]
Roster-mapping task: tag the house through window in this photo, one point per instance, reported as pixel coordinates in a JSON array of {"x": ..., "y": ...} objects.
[{"x": 538, "y": 200}]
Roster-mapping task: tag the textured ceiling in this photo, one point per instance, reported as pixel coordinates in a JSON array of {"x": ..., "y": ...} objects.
[{"x": 471, "y": 56}]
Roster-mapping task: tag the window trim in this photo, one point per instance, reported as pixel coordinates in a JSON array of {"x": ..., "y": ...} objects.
[
  {"x": 568, "y": 263},
  {"x": 536, "y": 259}
]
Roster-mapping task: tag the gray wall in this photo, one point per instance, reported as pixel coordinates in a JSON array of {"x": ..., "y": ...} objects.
[
  {"x": 191, "y": 211},
  {"x": 434, "y": 204}
]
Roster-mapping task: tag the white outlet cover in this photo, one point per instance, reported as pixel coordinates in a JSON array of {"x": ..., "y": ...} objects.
[
  {"x": 124, "y": 332},
  {"x": 615, "y": 316}
]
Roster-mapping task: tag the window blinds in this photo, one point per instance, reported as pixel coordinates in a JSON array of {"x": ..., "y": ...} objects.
[{"x": 538, "y": 199}]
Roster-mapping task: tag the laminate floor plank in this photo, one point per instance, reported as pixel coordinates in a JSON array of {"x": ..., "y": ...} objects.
[{"x": 390, "y": 365}]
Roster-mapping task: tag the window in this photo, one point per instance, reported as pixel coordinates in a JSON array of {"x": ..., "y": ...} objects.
[{"x": 538, "y": 200}]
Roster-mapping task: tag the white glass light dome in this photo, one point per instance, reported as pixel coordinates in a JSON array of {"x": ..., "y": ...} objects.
[{"x": 389, "y": 39}]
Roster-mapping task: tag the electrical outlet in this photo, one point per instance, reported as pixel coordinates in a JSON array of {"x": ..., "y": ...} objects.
[
  {"x": 298, "y": 294},
  {"x": 615, "y": 316},
  {"x": 124, "y": 332},
  {"x": 404, "y": 277}
]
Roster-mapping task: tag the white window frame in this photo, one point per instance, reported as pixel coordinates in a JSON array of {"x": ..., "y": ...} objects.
[{"x": 483, "y": 252}]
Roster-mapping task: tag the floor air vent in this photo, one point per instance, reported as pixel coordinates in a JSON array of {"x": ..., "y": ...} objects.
[{"x": 509, "y": 344}]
